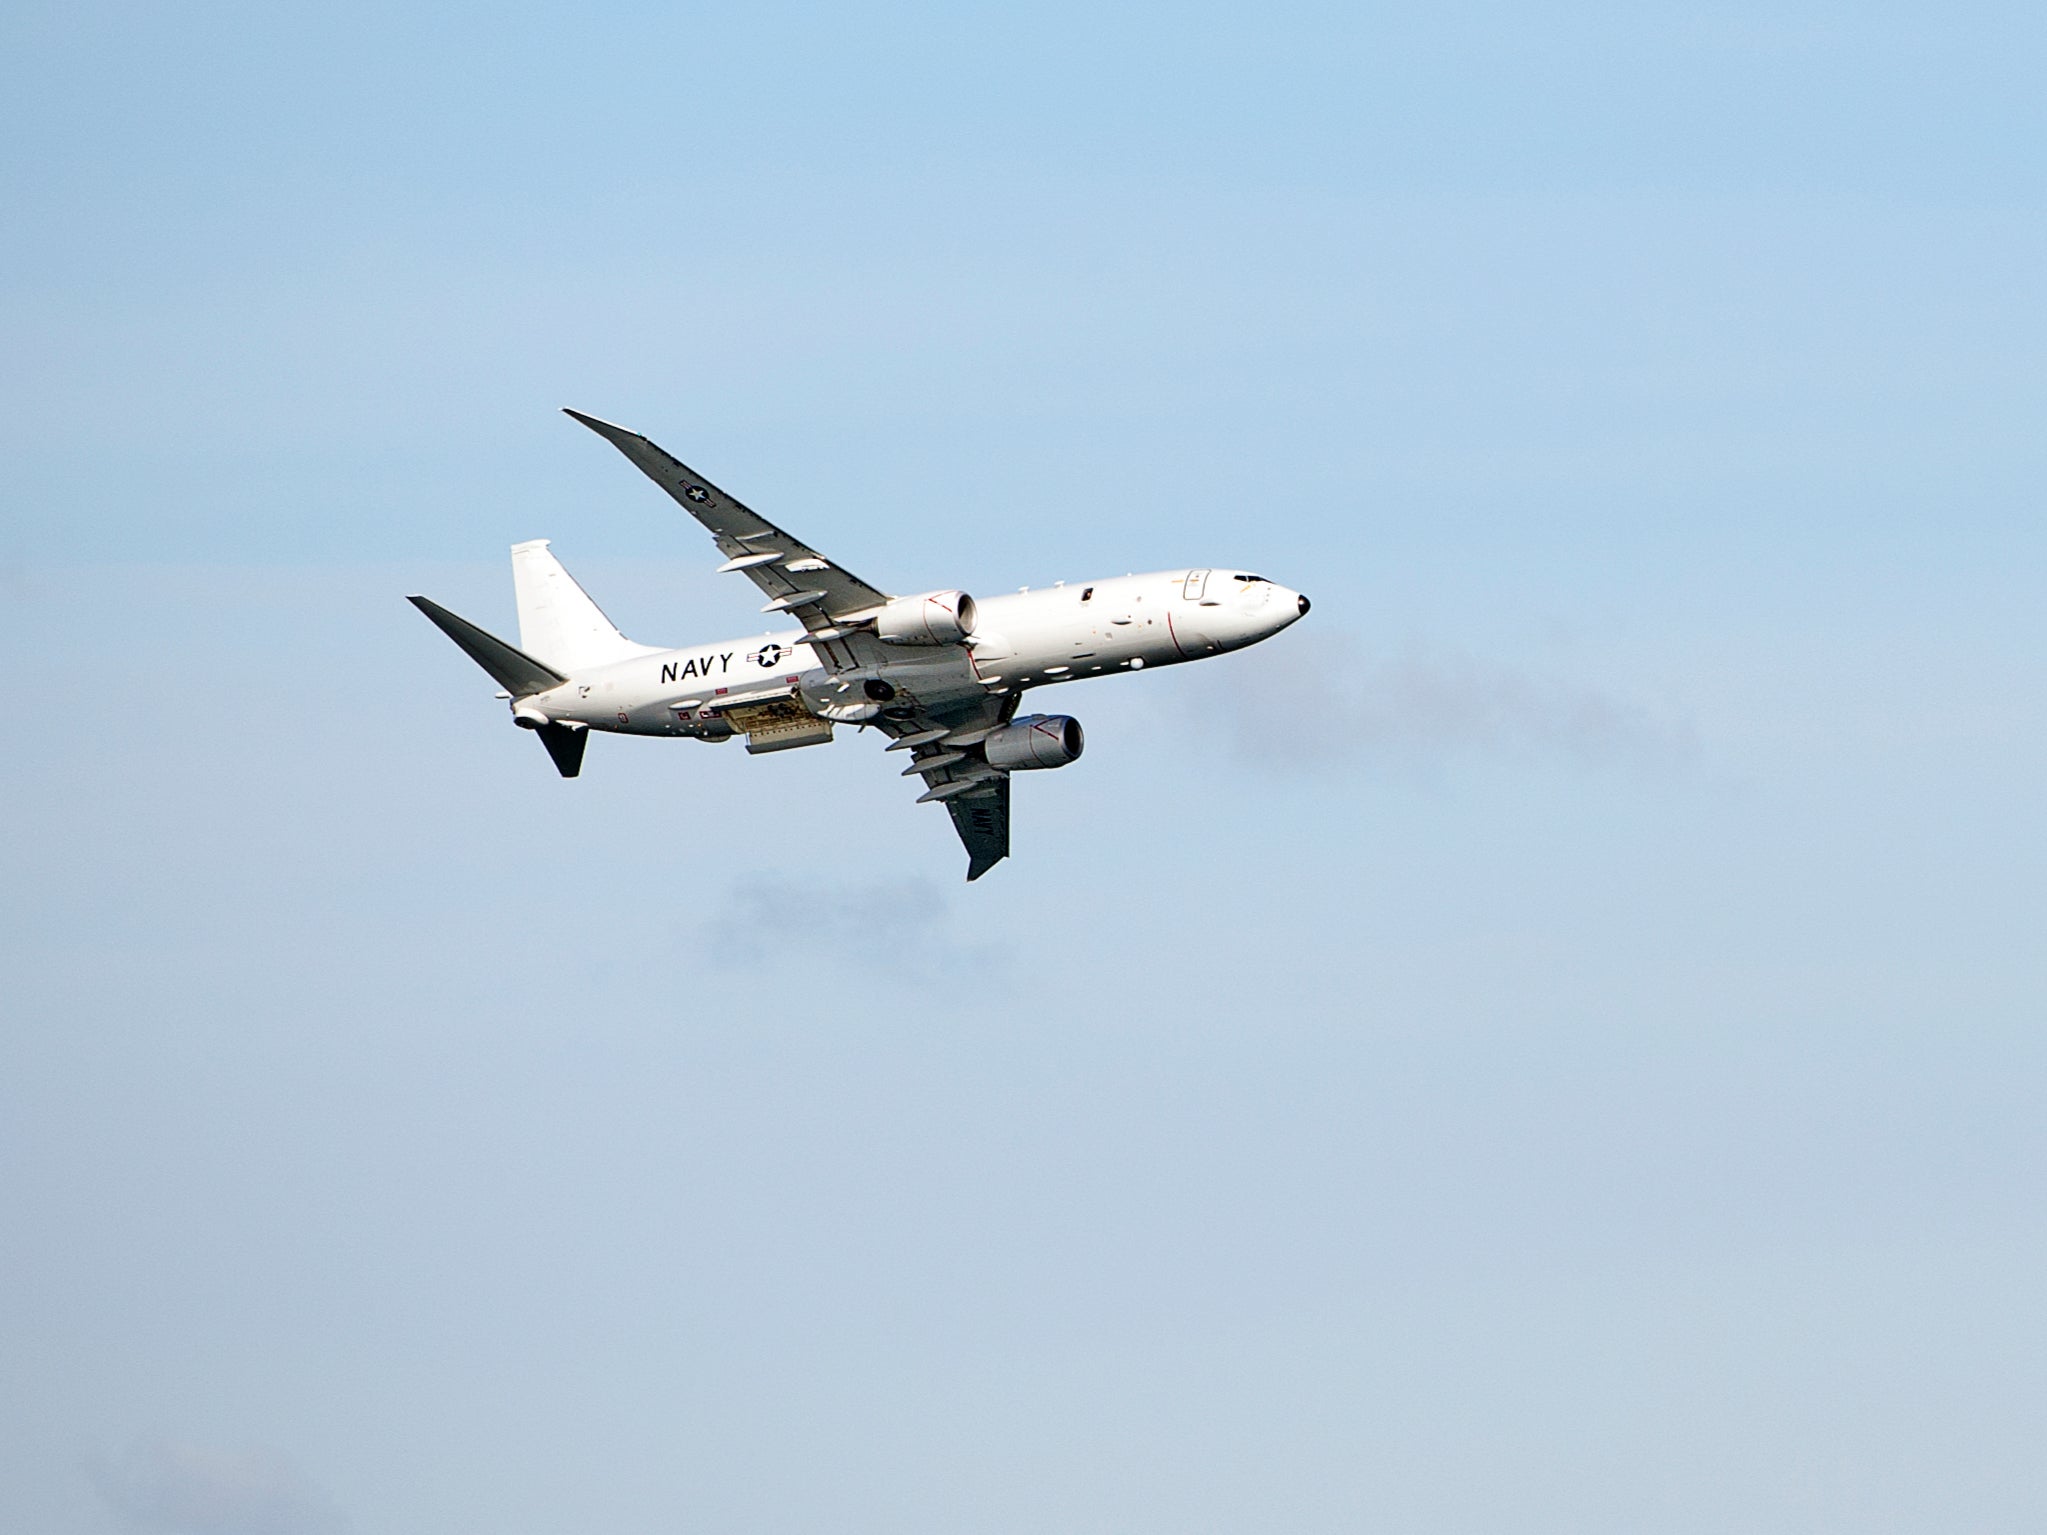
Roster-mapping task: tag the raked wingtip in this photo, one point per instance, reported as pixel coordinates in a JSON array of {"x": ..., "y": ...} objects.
[{"x": 598, "y": 424}]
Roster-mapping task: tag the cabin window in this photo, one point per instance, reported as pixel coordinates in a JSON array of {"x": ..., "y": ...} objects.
[{"x": 1087, "y": 594}]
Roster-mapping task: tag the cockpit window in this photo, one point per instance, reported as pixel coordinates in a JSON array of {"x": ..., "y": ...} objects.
[
  {"x": 1087, "y": 594},
  {"x": 1249, "y": 578}
]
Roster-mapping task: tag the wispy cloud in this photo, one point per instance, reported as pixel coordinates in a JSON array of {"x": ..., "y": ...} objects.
[
  {"x": 173, "y": 1487},
  {"x": 1426, "y": 708}
]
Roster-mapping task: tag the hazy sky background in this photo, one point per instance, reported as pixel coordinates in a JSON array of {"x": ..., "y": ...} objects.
[{"x": 1551, "y": 1044}]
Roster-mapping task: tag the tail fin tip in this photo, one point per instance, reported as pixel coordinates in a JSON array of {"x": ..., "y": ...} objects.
[{"x": 558, "y": 623}]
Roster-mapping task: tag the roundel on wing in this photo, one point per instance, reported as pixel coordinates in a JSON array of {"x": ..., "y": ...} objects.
[{"x": 697, "y": 493}]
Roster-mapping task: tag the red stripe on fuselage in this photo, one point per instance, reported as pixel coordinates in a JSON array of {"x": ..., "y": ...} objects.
[{"x": 1175, "y": 638}]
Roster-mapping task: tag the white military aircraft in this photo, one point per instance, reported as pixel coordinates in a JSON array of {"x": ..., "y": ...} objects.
[{"x": 939, "y": 673}]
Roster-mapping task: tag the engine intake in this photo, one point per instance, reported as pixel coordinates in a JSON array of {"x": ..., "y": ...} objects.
[
  {"x": 936, "y": 618},
  {"x": 1036, "y": 741}
]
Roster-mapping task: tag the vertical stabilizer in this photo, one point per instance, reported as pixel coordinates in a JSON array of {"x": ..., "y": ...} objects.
[{"x": 558, "y": 623}]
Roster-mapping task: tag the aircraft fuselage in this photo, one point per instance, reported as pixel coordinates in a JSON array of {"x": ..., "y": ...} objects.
[{"x": 1027, "y": 640}]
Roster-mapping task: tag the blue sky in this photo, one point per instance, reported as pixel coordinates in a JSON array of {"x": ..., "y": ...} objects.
[{"x": 1551, "y": 1043}]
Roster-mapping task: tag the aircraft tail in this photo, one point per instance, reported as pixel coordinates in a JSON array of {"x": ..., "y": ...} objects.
[
  {"x": 558, "y": 623},
  {"x": 513, "y": 670},
  {"x": 521, "y": 676}
]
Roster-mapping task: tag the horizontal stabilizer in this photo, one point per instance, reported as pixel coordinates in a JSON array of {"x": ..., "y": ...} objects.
[
  {"x": 515, "y": 671},
  {"x": 565, "y": 746}
]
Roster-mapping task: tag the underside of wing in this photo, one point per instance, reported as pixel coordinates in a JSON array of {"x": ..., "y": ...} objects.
[
  {"x": 982, "y": 820},
  {"x": 945, "y": 751},
  {"x": 795, "y": 578},
  {"x": 510, "y": 667}
]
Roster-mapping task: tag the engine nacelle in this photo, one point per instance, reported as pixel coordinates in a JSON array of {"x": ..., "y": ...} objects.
[
  {"x": 1035, "y": 741},
  {"x": 936, "y": 618}
]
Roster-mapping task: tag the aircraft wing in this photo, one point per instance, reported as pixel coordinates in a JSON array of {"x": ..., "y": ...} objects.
[
  {"x": 795, "y": 578},
  {"x": 942, "y": 737},
  {"x": 982, "y": 820},
  {"x": 976, "y": 795}
]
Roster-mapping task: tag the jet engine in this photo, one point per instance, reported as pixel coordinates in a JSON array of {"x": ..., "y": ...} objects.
[
  {"x": 1035, "y": 741},
  {"x": 936, "y": 618}
]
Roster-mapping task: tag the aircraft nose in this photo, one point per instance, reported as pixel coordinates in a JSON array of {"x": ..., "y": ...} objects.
[{"x": 1305, "y": 605}]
